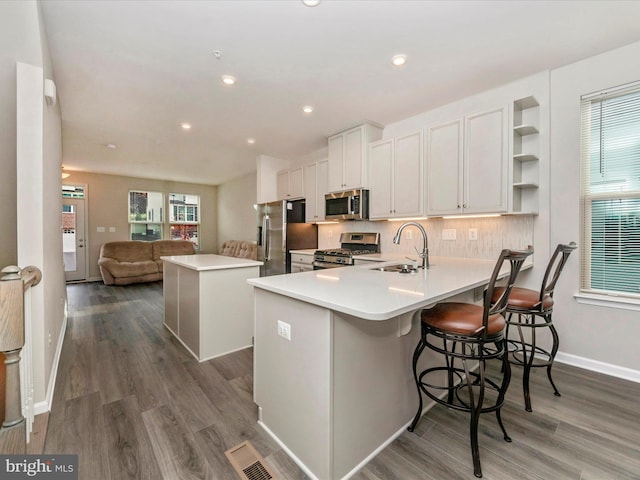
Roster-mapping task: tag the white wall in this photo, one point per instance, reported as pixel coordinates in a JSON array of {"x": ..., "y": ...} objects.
[
  {"x": 36, "y": 185},
  {"x": 19, "y": 41},
  {"x": 237, "y": 217},
  {"x": 591, "y": 333}
]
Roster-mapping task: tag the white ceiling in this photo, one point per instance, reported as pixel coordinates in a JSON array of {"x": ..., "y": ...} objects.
[{"x": 129, "y": 72}]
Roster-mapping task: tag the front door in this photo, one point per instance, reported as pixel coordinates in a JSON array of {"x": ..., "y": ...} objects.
[{"x": 73, "y": 239}]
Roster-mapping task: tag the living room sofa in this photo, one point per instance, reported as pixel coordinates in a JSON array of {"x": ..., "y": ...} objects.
[
  {"x": 240, "y": 249},
  {"x": 127, "y": 262}
]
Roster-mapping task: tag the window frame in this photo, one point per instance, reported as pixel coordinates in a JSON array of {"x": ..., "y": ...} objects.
[
  {"x": 587, "y": 293},
  {"x": 177, "y": 209},
  {"x": 134, "y": 223}
]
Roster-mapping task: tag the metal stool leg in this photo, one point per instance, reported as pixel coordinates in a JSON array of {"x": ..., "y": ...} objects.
[
  {"x": 552, "y": 356},
  {"x": 506, "y": 379},
  {"x": 416, "y": 355},
  {"x": 475, "y": 414}
]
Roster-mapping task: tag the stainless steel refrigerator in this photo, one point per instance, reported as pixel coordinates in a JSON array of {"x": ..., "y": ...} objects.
[{"x": 281, "y": 228}]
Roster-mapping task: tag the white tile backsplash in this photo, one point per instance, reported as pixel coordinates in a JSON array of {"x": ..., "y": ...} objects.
[{"x": 494, "y": 234}]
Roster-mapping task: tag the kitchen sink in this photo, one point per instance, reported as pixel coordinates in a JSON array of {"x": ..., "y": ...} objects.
[{"x": 399, "y": 268}]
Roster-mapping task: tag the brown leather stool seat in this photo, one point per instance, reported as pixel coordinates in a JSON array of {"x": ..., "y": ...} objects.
[
  {"x": 466, "y": 333},
  {"x": 528, "y": 311},
  {"x": 461, "y": 318}
]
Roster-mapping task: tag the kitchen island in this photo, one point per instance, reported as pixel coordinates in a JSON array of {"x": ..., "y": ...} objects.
[
  {"x": 208, "y": 303},
  {"x": 340, "y": 387}
]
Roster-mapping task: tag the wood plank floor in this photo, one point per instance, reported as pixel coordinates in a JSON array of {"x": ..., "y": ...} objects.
[{"x": 133, "y": 403}]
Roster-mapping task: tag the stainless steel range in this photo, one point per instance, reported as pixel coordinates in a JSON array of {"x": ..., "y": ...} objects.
[{"x": 352, "y": 244}]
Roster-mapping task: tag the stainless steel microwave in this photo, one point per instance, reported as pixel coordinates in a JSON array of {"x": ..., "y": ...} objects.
[{"x": 348, "y": 205}]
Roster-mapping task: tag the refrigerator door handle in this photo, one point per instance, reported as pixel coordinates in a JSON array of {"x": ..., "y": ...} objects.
[{"x": 265, "y": 236}]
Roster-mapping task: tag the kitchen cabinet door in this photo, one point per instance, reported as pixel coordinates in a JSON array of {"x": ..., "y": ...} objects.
[
  {"x": 315, "y": 186},
  {"x": 408, "y": 176},
  {"x": 336, "y": 163},
  {"x": 348, "y": 155},
  {"x": 321, "y": 188},
  {"x": 485, "y": 175},
  {"x": 354, "y": 158},
  {"x": 396, "y": 180},
  {"x": 444, "y": 168},
  {"x": 290, "y": 184},
  {"x": 381, "y": 179},
  {"x": 283, "y": 184},
  {"x": 467, "y": 164},
  {"x": 310, "y": 194}
]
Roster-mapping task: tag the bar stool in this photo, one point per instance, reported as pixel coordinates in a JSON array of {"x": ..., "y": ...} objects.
[
  {"x": 469, "y": 333},
  {"x": 531, "y": 310}
]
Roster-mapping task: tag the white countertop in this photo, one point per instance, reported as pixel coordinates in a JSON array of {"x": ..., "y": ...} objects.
[
  {"x": 367, "y": 293},
  {"x": 202, "y": 262}
]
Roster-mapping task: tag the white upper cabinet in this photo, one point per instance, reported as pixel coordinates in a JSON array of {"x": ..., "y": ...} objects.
[
  {"x": 396, "y": 177},
  {"x": 315, "y": 186},
  {"x": 290, "y": 184},
  {"x": 444, "y": 168},
  {"x": 485, "y": 167},
  {"x": 348, "y": 154},
  {"x": 467, "y": 164}
]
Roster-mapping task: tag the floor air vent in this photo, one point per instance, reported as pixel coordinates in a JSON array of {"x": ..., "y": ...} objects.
[{"x": 249, "y": 463}]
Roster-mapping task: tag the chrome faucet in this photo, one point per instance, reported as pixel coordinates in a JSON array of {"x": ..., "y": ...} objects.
[{"x": 425, "y": 249}]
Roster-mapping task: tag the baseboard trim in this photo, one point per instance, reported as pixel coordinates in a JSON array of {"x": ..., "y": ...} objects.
[
  {"x": 45, "y": 405},
  {"x": 291, "y": 455},
  {"x": 600, "y": 367},
  {"x": 429, "y": 404}
]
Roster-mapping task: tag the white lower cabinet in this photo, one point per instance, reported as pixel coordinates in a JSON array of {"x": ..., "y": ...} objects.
[
  {"x": 396, "y": 177},
  {"x": 467, "y": 164},
  {"x": 301, "y": 262}
]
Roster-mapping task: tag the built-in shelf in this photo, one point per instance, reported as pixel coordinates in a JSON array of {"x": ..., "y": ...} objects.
[
  {"x": 525, "y": 129},
  {"x": 525, "y": 157},
  {"x": 525, "y": 168},
  {"x": 525, "y": 103}
]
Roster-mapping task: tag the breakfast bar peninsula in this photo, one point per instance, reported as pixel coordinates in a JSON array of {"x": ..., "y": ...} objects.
[{"x": 332, "y": 356}]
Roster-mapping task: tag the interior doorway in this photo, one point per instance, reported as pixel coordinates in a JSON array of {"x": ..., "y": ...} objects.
[{"x": 73, "y": 239}]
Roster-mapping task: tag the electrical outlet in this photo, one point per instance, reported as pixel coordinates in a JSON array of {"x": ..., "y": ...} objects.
[
  {"x": 284, "y": 330},
  {"x": 409, "y": 234},
  {"x": 449, "y": 234},
  {"x": 473, "y": 234},
  {"x": 49, "y": 338},
  {"x": 330, "y": 234}
]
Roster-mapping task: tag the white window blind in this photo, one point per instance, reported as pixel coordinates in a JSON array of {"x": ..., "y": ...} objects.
[{"x": 610, "y": 192}]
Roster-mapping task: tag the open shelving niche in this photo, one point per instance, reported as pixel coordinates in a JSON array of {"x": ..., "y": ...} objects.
[{"x": 526, "y": 148}]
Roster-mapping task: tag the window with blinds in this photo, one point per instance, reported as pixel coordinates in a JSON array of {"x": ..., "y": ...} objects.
[{"x": 610, "y": 192}]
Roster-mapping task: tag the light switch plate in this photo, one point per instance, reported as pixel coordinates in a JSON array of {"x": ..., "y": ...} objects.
[
  {"x": 100, "y": 229},
  {"x": 112, "y": 229},
  {"x": 449, "y": 234},
  {"x": 284, "y": 330}
]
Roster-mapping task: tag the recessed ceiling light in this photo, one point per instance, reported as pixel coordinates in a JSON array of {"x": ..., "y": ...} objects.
[
  {"x": 228, "y": 79},
  {"x": 111, "y": 146},
  {"x": 311, "y": 3},
  {"x": 307, "y": 109},
  {"x": 185, "y": 126},
  {"x": 251, "y": 141},
  {"x": 399, "y": 60}
]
